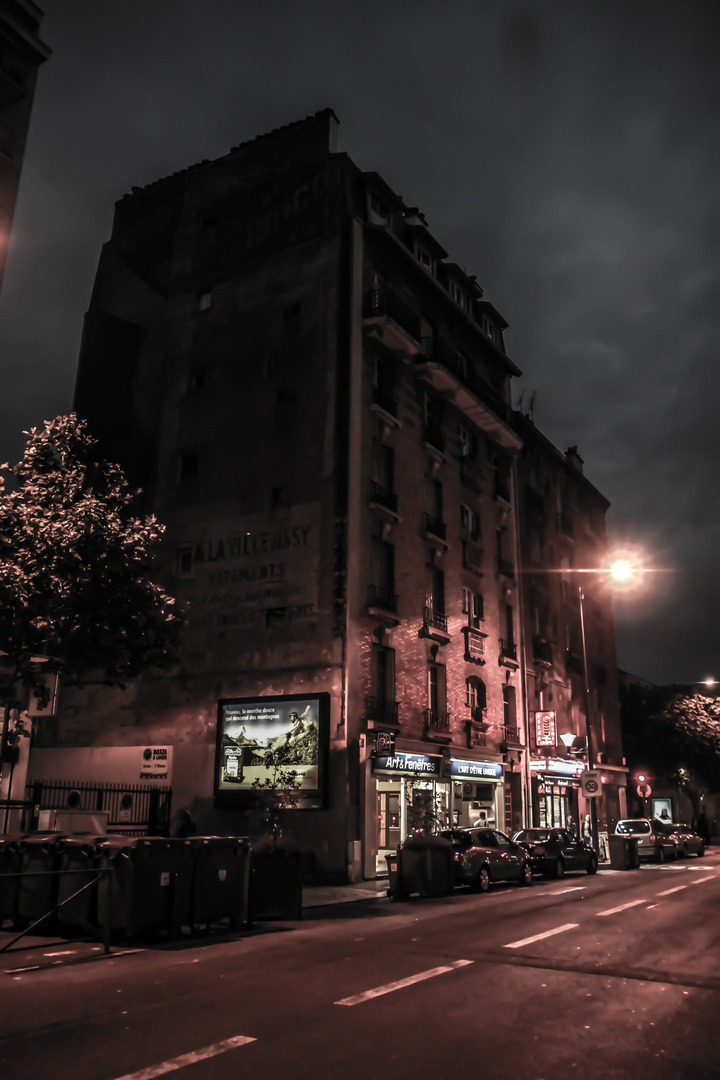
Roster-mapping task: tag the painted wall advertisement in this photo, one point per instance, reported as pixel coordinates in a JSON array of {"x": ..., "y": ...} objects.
[
  {"x": 251, "y": 565},
  {"x": 272, "y": 741}
]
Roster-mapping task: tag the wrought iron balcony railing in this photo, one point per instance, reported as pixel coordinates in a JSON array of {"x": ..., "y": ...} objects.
[
  {"x": 436, "y": 620},
  {"x": 382, "y": 495},
  {"x": 437, "y": 720},
  {"x": 377, "y": 708},
  {"x": 435, "y": 526},
  {"x": 508, "y": 649}
]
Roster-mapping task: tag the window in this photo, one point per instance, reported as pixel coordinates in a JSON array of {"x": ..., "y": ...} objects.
[
  {"x": 507, "y": 628},
  {"x": 383, "y": 470},
  {"x": 489, "y": 328},
  {"x": 433, "y": 499},
  {"x": 475, "y": 693},
  {"x": 457, "y": 294},
  {"x": 467, "y": 442},
  {"x": 188, "y": 465},
  {"x": 383, "y": 383},
  {"x": 436, "y": 692},
  {"x": 469, "y": 522},
  {"x": 509, "y": 709},
  {"x": 502, "y": 476},
  {"x": 379, "y": 212},
  {"x": 383, "y": 572},
  {"x": 504, "y": 552},
  {"x": 435, "y": 589},
  {"x": 424, "y": 258},
  {"x": 472, "y": 607},
  {"x": 383, "y": 674},
  {"x": 204, "y": 301}
]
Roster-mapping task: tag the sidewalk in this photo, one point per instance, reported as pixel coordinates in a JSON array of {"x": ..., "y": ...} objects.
[{"x": 323, "y": 895}]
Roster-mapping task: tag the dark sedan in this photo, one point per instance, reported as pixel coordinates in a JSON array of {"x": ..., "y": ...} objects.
[
  {"x": 484, "y": 855},
  {"x": 688, "y": 841},
  {"x": 553, "y": 851}
]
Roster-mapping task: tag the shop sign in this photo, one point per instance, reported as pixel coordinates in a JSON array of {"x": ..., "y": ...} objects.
[
  {"x": 557, "y": 766},
  {"x": 545, "y": 731},
  {"x": 408, "y": 764},
  {"x": 384, "y": 743},
  {"x": 484, "y": 770}
]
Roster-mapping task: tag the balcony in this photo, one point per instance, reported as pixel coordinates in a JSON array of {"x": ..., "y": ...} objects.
[
  {"x": 472, "y": 556},
  {"x": 380, "y": 711},
  {"x": 434, "y": 527},
  {"x": 435, "y": 626},
  {"x": 381, "y": 498},
  {"x": 474, "y": 645},
  {"x": 511, "y": 735},
  {"x": 434, "y": 438},
  {"x": 542, "y": 652},
  {"x": 437, "y": 725},
  {"x": 476, "y": 735},
  {"x": 383, "y": 604},
  {"x": 391, "y": 321},
  {"x": 454, "y": 377}
]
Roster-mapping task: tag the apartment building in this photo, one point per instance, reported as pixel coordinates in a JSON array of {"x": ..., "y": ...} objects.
[
  {"x": 316, "y": 403},
  {"x": 21, "y": 54}
]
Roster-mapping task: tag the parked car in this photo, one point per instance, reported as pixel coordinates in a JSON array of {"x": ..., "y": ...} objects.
[
  {"x": 481, "y": 856},
  {"x": 655, "y": 841},
  {"x": 689, "y": 843},
  {"x": 553, "y": 851}
]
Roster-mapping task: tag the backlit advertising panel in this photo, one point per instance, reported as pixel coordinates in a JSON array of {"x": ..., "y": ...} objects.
[{"x": 264, "y": 739}]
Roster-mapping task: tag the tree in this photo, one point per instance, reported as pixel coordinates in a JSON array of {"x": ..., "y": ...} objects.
[{"x": 77, "y": 593}]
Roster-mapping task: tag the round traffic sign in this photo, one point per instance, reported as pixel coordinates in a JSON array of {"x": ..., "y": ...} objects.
[{"x": 644, "y": 791}]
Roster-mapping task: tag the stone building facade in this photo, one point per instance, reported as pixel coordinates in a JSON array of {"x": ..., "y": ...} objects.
[{"x": 316, "y": 403}]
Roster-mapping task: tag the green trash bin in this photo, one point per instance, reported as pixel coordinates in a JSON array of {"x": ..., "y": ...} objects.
[
  {"x": 623, "y": 853},
  {"x": 9, "y": 886},
  {"x": 37, "y": 891},
  {"x": 78, "y": 856},
  {"x": 147, "y": 886},
  {"x": 276, "y": 877},
  {"x": 220, "y": 881},
  {"x": 395, "y": 885},
  {"x": 426, "y": 866}
]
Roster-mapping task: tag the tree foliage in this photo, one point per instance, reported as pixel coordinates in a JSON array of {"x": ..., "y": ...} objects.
[
  {"x": 673, "y": 732},
  {"x": 76, "y": 568}
]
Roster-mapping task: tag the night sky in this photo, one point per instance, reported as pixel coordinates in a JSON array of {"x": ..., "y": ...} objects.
[{"x": 567, "y": 153}]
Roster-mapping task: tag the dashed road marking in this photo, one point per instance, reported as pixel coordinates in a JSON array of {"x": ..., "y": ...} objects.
[
  {"x": 188, "y": 1059},
  {"x": 378, "y": 991},
  {"x": 623, "y": 907},
  {"x": 677, "y": 888},
  {"x": 539, "y": 937},
  {"x": 699, "y": 881}
]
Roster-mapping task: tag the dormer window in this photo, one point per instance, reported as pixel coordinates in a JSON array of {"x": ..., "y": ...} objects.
[
  {"x": 489, "y": 328},
  {"x": 458, "y": 295},
  {"x": 379, "y": 212},
  {"x": 425, "y": 258}
]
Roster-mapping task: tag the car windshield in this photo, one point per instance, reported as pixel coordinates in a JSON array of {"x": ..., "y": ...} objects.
[
  {"x": 532, "y": 836},
  {"x": 641, "y": 826}
]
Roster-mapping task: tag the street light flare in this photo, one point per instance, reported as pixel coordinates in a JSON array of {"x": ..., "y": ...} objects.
[{"x": 621, "y": 570}]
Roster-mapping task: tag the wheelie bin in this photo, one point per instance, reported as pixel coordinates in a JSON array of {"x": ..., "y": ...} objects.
[
  {"x": 78, "y": 856},
  {"x": 221, "y": 873},
  {"x": 9, "y": 886},
  {"x": 146, "y": 886},
  {"x": 37, "y": 892},
  {"x": 623, "y": 853}
]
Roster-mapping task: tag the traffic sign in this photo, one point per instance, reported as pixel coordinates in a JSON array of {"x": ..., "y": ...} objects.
[
  {"x": 644, "y": 791},
  {"x": 591, "y": 782}
]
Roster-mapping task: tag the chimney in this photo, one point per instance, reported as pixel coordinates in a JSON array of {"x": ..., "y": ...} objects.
[{"x": 573, "y": 459}]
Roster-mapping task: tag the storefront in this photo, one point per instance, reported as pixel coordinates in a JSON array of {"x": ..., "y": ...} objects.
[
  {"x": 429, "y": 792},
  {"x": 555, "y": 788}
]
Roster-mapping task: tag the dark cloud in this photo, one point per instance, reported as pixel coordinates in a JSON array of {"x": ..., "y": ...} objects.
[{"x": 565, "y": 153}]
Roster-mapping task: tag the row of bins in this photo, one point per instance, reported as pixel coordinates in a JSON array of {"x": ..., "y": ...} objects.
[{"x": 146, "y": 884}]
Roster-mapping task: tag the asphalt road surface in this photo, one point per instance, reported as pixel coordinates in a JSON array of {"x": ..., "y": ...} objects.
[{"x": 591, "y": 977}]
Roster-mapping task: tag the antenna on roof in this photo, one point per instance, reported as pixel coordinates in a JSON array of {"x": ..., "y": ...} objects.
[
  {"x": 520, "y": 399},
  {"x": 531, "y": 406}
]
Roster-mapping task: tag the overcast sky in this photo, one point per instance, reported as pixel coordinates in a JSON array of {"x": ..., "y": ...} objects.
[{"x": 565, "y": 152}]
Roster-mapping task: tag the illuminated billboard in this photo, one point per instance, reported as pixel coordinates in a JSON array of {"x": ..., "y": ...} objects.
[{"x": 262, "y": 741}]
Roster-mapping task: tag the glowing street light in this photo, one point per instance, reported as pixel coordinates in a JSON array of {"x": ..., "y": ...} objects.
[{"x": 621, "y": 570}]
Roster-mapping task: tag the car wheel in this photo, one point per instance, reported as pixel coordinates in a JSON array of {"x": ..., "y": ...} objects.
[
  {"x": 526, "y": 878},
  {"x": 685, "y": 851},
  {"x": 560, "y": 869},
  {"x": 661, "y": 854},
  {"x": 592, "y": 865},
  {"x": 701, "y": 851},
  {"x": 481, "y": 882}
]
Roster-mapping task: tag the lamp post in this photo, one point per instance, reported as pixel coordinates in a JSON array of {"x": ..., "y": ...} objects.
[{"x": 588, "y": 723}]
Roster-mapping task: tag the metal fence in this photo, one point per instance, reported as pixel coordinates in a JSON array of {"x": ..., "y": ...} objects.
[{"x": 132, "y": 809}]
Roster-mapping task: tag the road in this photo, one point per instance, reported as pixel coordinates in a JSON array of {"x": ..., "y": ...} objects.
[{"x": 592, "y": 977}]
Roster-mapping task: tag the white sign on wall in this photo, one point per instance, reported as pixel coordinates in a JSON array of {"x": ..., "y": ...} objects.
[{"x": 591, "y": 782}]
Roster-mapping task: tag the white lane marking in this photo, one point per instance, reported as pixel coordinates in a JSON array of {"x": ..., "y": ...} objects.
[
  {"x": 699, "y": 881},
  {"x": 188, "y": 1059},
  {"x": 575, "y": 888},
  {"x": 666, "y": 892},
  {"x": 68, "y": 952},
  {"x": 539, "y": 937},
  {"x": 356, "y": 999},
  {"x": 623, "y": 907}
]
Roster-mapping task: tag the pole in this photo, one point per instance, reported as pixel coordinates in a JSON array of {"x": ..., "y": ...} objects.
[{"x": 588, "y": 724}]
